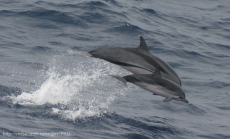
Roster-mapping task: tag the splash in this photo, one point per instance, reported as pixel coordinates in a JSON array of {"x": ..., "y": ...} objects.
[{"x": 75, "y": 88}]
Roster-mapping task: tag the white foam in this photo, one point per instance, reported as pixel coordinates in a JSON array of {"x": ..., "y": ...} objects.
[{"x": 75, "y": 89}]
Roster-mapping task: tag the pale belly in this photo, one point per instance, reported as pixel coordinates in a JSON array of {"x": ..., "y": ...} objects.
[{"x": 158, "y": 90}]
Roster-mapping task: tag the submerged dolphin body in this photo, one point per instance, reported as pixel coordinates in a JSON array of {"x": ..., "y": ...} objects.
[
  {"x": 137, "y": 60},
  {"x": 157, "y": 85}
]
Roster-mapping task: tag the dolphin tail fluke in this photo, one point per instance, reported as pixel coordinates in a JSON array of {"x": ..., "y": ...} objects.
[
  {"x": 119, "y": 78},
  {"x": 89, "y": 54},
  {"x": 167, "y": 99}
]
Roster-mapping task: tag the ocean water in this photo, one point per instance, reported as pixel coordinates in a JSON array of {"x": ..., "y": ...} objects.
[{"x": 50, "y": 88}]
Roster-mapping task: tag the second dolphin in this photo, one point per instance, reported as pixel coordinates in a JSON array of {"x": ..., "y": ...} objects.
[
  {"x": 137, "y": 60},
  {"x": 157, "y": 85}
]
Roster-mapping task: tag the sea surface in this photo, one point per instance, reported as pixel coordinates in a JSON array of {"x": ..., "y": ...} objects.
[{"x": 51, "y": 88}]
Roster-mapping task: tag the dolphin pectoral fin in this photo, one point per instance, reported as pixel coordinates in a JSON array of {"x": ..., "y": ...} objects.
[
  {"x": 186, "y": 101},
  {"x": 120, "y": 79},
  {"x": 143, "y": 45},
  {"x": 167, "y": 99}
]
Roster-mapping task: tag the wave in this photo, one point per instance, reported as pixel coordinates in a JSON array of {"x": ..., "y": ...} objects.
[
  {"x": 142, "y": 128},
  {"x": 74, "y": 92},
  {"x": 40, "y": 49},
  {"x": 6, "y": 90},
  {"x": 126, "y": 28}
]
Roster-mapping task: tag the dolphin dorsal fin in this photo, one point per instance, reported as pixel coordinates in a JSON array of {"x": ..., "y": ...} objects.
[
  {"x": 143, "y": 45},
  {"x": 157, "y": 72}
]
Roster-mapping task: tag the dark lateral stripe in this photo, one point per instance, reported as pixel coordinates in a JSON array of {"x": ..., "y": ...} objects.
[{"x": 128, "y": 65}]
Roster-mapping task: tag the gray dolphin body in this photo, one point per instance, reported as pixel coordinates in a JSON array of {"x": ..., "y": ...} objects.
[
  {"x": 157, "y": 85},
  {"x": 137, "y": 60}
]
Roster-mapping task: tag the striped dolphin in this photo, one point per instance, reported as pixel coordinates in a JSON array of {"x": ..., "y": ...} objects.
[
  {"x": 137, "y": 60},
  {"x": 156, "y": 84}
]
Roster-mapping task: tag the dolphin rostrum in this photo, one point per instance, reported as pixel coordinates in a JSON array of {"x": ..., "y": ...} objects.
[
  {"x": 157, "y": 85},
  {"x": 137, "y": 60}
]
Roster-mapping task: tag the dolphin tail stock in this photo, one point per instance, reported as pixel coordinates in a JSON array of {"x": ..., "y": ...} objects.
[{"x": 120, "y": 79}]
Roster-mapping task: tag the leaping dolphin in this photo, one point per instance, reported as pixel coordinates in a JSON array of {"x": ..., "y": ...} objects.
[
  {"x": 137, "y": 60},
  {"x": 157, "y": 85}
]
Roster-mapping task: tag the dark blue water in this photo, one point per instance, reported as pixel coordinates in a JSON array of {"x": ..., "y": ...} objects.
[{"x": 50, "y": 88}]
